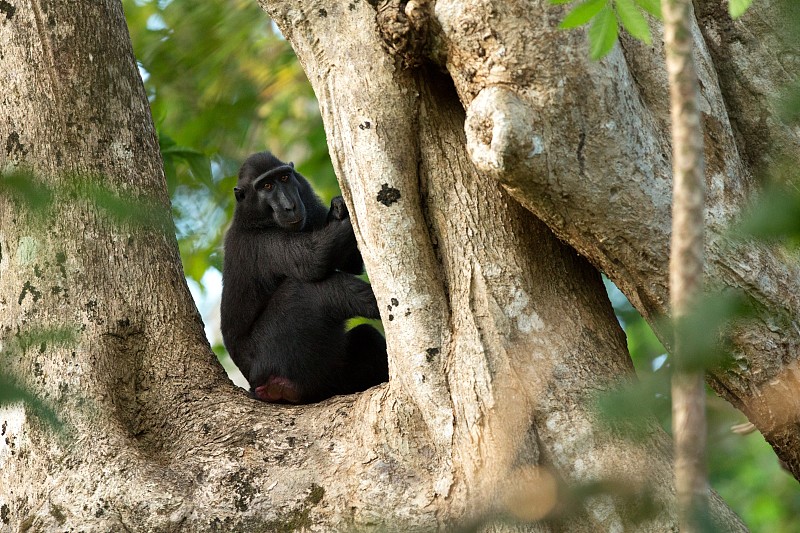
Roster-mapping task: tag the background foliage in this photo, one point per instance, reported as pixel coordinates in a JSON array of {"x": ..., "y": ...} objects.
[{"x": 223, "y": 83}]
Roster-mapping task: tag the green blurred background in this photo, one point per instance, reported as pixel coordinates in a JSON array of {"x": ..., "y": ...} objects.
[{"x": 223, "y": 83}]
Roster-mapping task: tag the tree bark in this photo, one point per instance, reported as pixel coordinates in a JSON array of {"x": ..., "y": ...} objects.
[
  {"x": 585, "y": 146},
  {"x": 499, "y": 334},
  {"x": 516, "y": 328}
]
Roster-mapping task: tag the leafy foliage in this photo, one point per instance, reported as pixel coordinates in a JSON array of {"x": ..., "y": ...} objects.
[
  {"x": 222, "y": 84},
  {"x": 21, "y": 186},
  {"x": 742, "y": 468},
  {"x": 11, "y": 392},
  {"x": 776, "y": 215},
  {"x": 39, "y": 199},
  {"x": 606, "y": 16},
  {"x": 583, "y": 13}
]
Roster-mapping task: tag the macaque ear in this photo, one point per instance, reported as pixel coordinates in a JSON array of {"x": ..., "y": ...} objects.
[
  {"x": 291, "y": 164},
  {"x": 239, "y": 192}
]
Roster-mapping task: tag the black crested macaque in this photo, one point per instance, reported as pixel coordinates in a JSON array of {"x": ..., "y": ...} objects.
[{"x": 288, "y": 287}]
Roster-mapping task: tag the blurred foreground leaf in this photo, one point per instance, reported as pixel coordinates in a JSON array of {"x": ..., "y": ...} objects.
[
  {"x": 706, "y": 330},
  {"x": 23, "y": 188},
  {"x": 632, "y": 408},
  {"x": 39, "y": 336},
  {"x": 11, "y": 393},
  {"x": 40, "y": 198},
  {"x": 776, "y": 215},
  {"x": 736, "y": 8}
]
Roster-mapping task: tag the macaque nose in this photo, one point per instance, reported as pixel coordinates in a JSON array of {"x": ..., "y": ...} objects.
[{"x": 287, "y": 203}]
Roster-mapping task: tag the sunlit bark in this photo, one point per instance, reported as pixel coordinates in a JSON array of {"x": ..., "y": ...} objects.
[{"x": 499, "y": 334}]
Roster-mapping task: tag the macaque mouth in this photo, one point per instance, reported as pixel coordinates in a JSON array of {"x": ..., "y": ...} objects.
[{"x": 294, "y": 225}]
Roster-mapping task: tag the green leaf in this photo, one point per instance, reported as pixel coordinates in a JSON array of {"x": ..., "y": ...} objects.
[
  {"x": 651, "y": 6},
  {"x": 582, "y": 14},
  {"x": 24, "y": 187},
  {"x": 775, "y": 216},
  {"x": 58, "y": 336},
  {"x": 198, "y": 162},
  {"x": 602, "y": 33},
  {"x": 705, "y": 332},
  {"x": 164, "y": 141},
  {"x": 560, "y": 2},
  {"x": 201, "y": 169},
  {"x": 200, "y": 165},
  {"x": 789, "y": 103},
  {"x": 194, "y": 265},
  {"x": 126, "y": 210},
  {"x": 170, "y": 173},
  {"x": 737, "y": 7},
  {"x": 630, "y": 408},
  {"x": 632, "y": 20}
]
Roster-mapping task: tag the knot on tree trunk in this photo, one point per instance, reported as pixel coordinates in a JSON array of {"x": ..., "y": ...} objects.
[
  {"x": 403, "y": 29},
  {"x": 501, "y": 137}
]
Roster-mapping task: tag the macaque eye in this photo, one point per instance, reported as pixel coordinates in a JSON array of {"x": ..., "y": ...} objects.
[
  {"x": 268, "y": 186},
  {"x": 285, "y": 178}
]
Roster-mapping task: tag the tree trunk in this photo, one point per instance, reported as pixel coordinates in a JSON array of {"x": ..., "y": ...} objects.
[
  {"x": 499, "y": 334},
  {"x": 585, "y": 146}
]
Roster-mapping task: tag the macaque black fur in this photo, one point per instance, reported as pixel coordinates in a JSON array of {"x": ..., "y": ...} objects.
[{"x": 289, "y": 285}]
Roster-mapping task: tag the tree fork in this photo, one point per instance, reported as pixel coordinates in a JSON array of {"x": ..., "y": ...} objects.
[{"x": 201, "y": 455}]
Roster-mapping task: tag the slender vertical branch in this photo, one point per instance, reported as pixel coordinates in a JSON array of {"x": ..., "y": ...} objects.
[{"x": 686, "y": 262}]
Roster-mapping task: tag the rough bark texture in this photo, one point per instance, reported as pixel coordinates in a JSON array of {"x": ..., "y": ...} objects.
[
  {"x": 156, "y": 438},
  {"x": 499, "y": 334},
  {"x": 585, "y": 146},
  {"x": 504, "y": 332}
]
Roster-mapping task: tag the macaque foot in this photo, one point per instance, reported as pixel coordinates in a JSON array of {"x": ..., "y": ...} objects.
[{"x": 277, "y": 389}]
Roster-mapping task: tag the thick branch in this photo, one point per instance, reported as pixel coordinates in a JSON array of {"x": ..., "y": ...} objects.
[
  {"x": 530, "y": 329},
  {"x": 167, "y": 443},
  {"x": 585, "y": 146}
]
